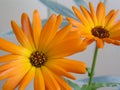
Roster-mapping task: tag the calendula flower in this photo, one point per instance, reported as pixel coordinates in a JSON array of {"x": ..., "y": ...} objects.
[
  {"x": 41, "y": 55},
  {"x": 97, "y": 26}
]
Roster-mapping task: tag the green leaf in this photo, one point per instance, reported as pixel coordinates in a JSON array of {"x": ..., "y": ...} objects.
[
  {"x": 73, "y": 85},
  {"x": 95, "y": 86},
  {"x": 58, "y": 8},
  {"x": 81, "y": 2}
]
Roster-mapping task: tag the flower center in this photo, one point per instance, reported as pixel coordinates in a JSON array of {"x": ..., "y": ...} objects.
[
  {"x": 37, "y": 59},
  {"x": 100, "y": 32}
]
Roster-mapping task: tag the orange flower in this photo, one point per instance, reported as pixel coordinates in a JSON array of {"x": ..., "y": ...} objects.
[
  {"x": 97, "y": 26},
  {"x": 41, "y": 55}
]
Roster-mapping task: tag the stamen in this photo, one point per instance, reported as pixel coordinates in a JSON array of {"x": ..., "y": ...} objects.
[
  {"x": 37, "y": 59},
  {"x": 100, "y": 32}
]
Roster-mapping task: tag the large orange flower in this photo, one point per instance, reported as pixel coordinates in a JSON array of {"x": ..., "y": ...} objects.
[
  {"x": 41, "y": 55},
  {"x": 97, "y": 26}
]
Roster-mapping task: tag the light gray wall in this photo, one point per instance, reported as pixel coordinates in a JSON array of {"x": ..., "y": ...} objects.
[{"x": 108, "y": 62}]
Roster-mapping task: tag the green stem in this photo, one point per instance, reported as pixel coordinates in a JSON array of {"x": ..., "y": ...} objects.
[{"x": 93, "y": 65}]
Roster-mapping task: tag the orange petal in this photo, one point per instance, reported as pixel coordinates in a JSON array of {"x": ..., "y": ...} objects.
[
  {"x": 70, "y": 65},
  {"x": 65, "y": 48},
  {"x": 60, "y": 35},
  {"x": 27, "y": 78},
  {"x": 48, "y": 31},
  {"x": 39, "y": 83},
  {"x": 37, "y": 26},
  {"x": 100, "y": 43},
  {"x": 80, "y": 16},
  {"x": 101, "y": 14},
  {"x": 76, "y": 23},
  {"x": 26, "y": 27},
  {"x": 111, "y": 20},
  {"x": 13, "y": 48},
  {"x": 58, "y": 70},
  {"x": 21, "y": 36},
  {"x": 12, "y": 64},
  {"x": 87, "y": 15},
  {"x": 108, "y": 17},
  {"x": 93, "y": 15},
  {"x": 50, "y": 81},
  {"x": 115, "y": 27},
  {"x": 14, "y": 81},
  {"x": 10, "y": 57},
  {"x": 62, "y": 83},
  {"x": 58, "y": 22}
]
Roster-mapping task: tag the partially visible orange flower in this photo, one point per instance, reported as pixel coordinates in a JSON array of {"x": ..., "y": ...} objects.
[
  {"x": 97, "y": 26},
  {"x": 41, "y": 55}
]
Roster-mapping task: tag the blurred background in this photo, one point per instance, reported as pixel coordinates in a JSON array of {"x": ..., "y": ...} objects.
[{"x": 108, "y": 61}]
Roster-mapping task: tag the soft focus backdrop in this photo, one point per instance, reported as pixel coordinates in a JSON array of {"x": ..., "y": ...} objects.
[{"x": 108, "y": 62}]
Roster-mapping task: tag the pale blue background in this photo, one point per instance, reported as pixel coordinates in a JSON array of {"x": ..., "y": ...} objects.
[{"x": 108, "y": 62}]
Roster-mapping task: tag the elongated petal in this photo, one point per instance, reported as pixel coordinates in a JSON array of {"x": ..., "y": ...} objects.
[
  {"x": 71, "y": 65},
  {"x": 37, "y": 26},
  {"x": 93, "y": 14},
  {"x": 27, "y": 29},
  {"x": 59, "y": 71},
  {"x": 13, "y": 48},
  {"x": 39, "y": 83},
  {"x": 111, "y": 20},
  {"x": 108, "y": 17},
  {"x": 20, "y": 35},
  {"x": 100, "y": 43},
  {"x": 60, "y": 35},
  {"x": 50, "y": 81},
  {"x": 80, "y": 16},
  {"x": 13, "y": 81},
  {"x": 12, "y": 64},
  {"x": 10, "y": 57},
  {"x": 87, "y": 15},
  {"x": 27, "y": 78},
  {"x": 48, "y": 32},
  {"x": 101, "y": 14},
  {"x": 76, "y": 23},
  {"x": 65, "y": 48},
  {"x": 62, "y": 83}
]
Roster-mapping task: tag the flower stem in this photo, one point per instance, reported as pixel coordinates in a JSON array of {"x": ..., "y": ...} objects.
[{"x": 93, "y": 65}]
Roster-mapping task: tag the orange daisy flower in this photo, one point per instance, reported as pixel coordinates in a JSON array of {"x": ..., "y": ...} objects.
[
  {"x": 97, "y": 26},
  {"x": 41, "y": 55}
]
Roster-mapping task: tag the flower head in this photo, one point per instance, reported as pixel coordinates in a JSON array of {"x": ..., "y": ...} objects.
[
  {"x": 97, "y": 26},
  {"x": 41, "y": 55}
]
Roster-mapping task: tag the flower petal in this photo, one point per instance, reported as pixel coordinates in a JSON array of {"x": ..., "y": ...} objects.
[
  {"x": 26, "y": 27},
  {"x": 80, "y": 16},
  {"x": 48, "y": 32},
  {"x": 93, "y": 15},
  {"x": 60, "y": 35},
  {"x": 87, "y": 15},
  {"x": 37, "y": 26},
  {"x": 108, "y": 17},
  {"x": 39, "y": 83},
  {"x": 13, "y": 81},
  {"x": 63, "y": 84},
  {"x": 70, "y": 65},
  {"x": 27, "y": 78},
  {"x": 50, "y": 81},
  {"x": 21, "y": 36},
  {"x": 100, "y": 43},
  {"x": 13, "y": 48},
  {"x": 65, "y": 48},
  {"x": 101, "y": 14},
  {"x": 10, "y": 57},
  {"x": 111, "y": 20},
  {"x": 58, "y": 70}
]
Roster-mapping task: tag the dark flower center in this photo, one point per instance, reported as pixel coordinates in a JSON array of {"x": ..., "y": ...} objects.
[
  {"x": 37, "y": 59},
  {"x": 100, "y": 32}
]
